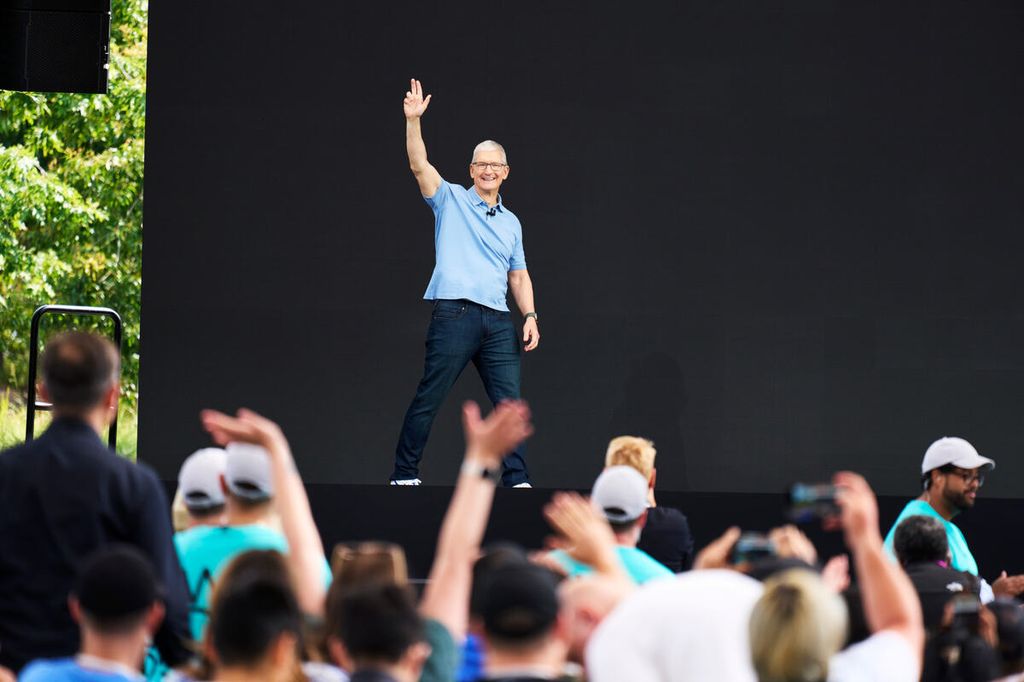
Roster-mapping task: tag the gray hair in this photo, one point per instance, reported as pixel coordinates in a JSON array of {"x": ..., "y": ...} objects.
[{"x": 490, "y": 146}]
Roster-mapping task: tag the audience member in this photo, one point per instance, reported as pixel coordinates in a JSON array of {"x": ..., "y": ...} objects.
[
  {"x": 620, "y": 493},
  {"x": 255, "y": 621},
  {"x": 922, "y": 550},
  {"x": 378, "y": 635},
  {"x": 118, "y": 606},
  {"x": 952, "y": 473},
  {"x": 524, "y": 638},
  {"x": 666, "y": 534},
  {"x": 1009, "y": 617},
  {"x": 692, "y": 627},
  {"x": 585, "y": 601},
  {"x": 66, "y": 495},
  {"x": 363, "y": 563},
  {"x": 446, "y": 597},
  {"x": 798, "y": 626},
  {"x": 257, "y": 472},
  {"x": 200, "y": 486}
]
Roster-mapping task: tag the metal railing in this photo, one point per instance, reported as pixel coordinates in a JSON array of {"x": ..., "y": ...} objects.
[{"x": 33, "y": 359}]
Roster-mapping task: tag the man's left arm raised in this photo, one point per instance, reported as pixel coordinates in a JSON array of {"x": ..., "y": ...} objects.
[{"x": 522, "y": 291}]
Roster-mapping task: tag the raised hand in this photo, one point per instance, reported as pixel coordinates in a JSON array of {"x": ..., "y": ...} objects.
[
  {"x": 585, "y": 533},
  {"x": 491, "y": 439},
  {"x": 415, "y": 104},
  {"x": 858, "y": 509},
  {"x": 246, "y": 427}
]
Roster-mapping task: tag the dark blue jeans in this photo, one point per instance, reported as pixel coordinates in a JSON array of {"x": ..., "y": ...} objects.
[{"x": 461, "y": 331}]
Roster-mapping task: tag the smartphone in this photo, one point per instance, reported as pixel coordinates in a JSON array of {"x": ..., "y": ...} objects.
[
  {"x": 966, "y": 608},
  {"x": 812, "y": 502},
  {"x": 751, "y": 547}
]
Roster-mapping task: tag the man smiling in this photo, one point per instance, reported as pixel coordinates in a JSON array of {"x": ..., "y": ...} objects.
[
  {"x": 479, "y": 257},
  {"x": 952, "y": 472}
]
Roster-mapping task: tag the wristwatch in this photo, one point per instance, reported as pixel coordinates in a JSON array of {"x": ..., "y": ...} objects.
[
  {"x": 529, "y": 315},
  {"x": 477, "y": 470}
]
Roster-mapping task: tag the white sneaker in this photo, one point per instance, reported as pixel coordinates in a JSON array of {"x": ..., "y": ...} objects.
[
  {"x": 406, "y": 481},
  {"x": 524, "y": 484}
]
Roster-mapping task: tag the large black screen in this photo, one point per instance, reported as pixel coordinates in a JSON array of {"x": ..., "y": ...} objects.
[{"x": 778, "y": 238}]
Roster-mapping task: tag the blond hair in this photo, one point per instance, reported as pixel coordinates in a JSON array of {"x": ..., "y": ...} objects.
[
  {"x": 795, "y": 628},
  {"x": 632, "y": 451}
]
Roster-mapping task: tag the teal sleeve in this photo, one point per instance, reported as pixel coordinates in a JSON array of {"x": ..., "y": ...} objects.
[{"x": 443, "y": 662}]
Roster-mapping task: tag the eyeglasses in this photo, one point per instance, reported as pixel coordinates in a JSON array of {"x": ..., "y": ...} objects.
[
  {"x": 969, "y": 477},
  {"x": 483, "y": 165}
]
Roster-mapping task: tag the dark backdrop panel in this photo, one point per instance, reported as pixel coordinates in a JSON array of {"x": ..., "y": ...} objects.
[{"x": 776, "y": 237}]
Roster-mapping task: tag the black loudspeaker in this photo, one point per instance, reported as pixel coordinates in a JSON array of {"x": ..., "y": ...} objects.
[{"x": 54, "y": 45}]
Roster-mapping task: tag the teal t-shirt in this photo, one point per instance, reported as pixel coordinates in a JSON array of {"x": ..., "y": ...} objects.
[
  {"x": 962, "y": 559},
  {"x": 640, "y": 565},
  {"x": 204, "y": 551}
]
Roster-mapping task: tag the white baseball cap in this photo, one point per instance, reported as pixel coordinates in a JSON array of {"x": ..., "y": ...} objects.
[
  {"x": 620, "y": 493},
  {"x": 199, "y": 479},
  {"x": 955, "y": 451},
  {"x": 248, "y": 472}
]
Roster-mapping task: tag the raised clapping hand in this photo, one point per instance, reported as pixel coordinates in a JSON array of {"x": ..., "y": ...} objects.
[
  {"x": 584, "y": 532},
  {"x": 246, "y": 427},
  {"x": 415, "y": 104},
  {"x": 489, "y": 440}
]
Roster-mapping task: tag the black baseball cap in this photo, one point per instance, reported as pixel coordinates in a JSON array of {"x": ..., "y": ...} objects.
[{"x": 518, "y": 602}]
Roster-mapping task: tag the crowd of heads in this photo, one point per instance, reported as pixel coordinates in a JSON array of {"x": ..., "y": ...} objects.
[{"x": 266, "y": 604}]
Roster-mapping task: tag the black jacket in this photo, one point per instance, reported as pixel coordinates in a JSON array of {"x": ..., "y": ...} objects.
[
  {"x": 62, "y": 496},
  {"x": 666, "y": 537}
]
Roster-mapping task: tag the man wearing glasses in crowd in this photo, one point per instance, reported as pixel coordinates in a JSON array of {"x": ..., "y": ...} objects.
[
  {"x": 952, "y": 472},
  {"x": 479, "y": 257}
]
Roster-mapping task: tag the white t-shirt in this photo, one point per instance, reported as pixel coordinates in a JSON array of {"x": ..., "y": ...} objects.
[
  {"x": 693, "y": 627},
  {"x": 883, "y": 657}
]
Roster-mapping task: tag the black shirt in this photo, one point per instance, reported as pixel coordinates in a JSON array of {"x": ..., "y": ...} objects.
[
  {"x": 666, "y": 537},
  {"x": 62, "y": 496}
]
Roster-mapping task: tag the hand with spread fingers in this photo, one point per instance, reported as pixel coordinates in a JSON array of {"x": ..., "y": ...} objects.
[
  {"x": 585, "y": 533},
  {"x": 489, "y": 440},
  {"x": 246, "y": 427}
]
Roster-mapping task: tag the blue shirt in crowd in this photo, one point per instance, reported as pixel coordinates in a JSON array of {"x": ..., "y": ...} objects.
[
  {"x": 474, "y": 250},
  {"x": 69, "y": 670},
  {"x": 962, "y": 559},
  {"x": 204, "y": 551},
  {"x": 640, "y": 566}
]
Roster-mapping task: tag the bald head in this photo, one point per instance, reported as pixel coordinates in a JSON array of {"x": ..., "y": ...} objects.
[{"x": 584, "y": 603}]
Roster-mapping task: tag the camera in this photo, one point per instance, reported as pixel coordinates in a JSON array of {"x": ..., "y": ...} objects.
[
  {"x": 752, "y": 547},
  {"x": 812, "y": 502}
]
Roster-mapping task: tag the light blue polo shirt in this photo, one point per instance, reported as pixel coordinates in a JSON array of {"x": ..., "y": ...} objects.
[
  {"x": 639, "y": 565},
  {"x": 960, "y": 553},
  {"x": 474, "y": 251}
]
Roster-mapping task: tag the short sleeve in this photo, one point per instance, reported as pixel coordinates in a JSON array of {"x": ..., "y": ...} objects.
[
  {"x": 443, "y": 661},
  {"x": 884, "y": 657},
  {"x": 441, "y": 197},
  {"x": 518, "y": 260}
]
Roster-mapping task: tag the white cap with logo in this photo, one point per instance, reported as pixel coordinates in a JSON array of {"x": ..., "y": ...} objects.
[
  {"x": 955, "y": 451},
  {"x": 248, "y": 472},
  {"x": 620, "y": 493},
  {"x": 199, "y": 479}
]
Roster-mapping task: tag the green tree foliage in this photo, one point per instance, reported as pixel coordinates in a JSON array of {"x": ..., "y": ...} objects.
[{"x": 71, "y": 200}]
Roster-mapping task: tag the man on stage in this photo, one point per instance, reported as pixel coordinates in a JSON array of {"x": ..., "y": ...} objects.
[{"x": 479, "y": 256}]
